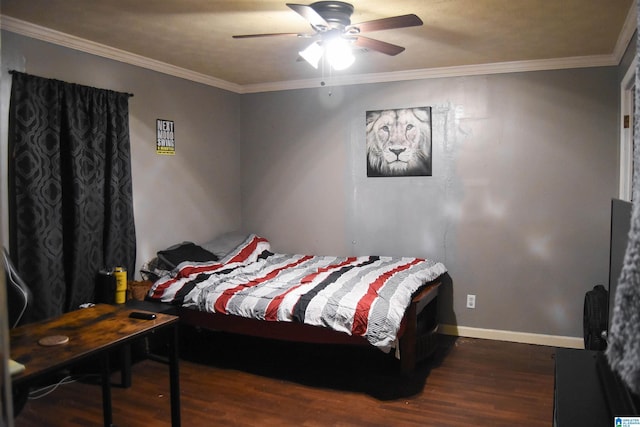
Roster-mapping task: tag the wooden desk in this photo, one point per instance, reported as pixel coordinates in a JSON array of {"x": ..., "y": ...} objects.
[{"x": 91, "y": 331}]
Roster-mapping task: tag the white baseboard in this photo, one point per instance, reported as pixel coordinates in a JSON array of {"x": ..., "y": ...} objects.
[{"x": 512, "y": 336}]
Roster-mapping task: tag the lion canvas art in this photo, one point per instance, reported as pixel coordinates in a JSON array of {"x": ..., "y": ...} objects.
[{"x": 399, "y": 142}]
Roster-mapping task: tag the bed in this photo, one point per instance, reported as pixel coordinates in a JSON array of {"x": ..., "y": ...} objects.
[{"x": 239, "y": 285}]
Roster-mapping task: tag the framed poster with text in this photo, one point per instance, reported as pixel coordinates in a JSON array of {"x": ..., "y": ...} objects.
[{"x": 166, "y": 137}]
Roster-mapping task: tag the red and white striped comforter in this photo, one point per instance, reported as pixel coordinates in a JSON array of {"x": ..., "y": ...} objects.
[{"x": 366, "y": 295}]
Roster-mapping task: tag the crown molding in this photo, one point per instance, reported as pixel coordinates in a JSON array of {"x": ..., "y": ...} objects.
[
  {"x": 62, "y": 39},
  {"x": 628, "y": 30},
  {"x": 434, "y": 73}
]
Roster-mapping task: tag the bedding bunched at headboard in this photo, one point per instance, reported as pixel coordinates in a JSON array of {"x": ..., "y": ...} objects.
[{"x": 365, "y": 296}]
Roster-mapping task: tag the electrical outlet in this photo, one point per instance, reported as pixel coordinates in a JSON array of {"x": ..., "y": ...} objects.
[{"x": 471, "y": 301}]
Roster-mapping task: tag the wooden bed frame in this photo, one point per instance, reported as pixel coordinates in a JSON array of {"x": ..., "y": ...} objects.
[{"x": 417, "y": 331}]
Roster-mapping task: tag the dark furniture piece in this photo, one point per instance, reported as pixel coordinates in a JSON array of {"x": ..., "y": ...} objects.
[
  {"x": 587, "y": 392},
  {"x": 93, "y": 331},
  {"x": 417, "y": 334}
]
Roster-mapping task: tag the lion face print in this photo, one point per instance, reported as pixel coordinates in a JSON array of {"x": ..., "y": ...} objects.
[{"x": 399, "y": 142}]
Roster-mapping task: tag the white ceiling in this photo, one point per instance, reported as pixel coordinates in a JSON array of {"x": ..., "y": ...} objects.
[{"x": 192, "y": 38}]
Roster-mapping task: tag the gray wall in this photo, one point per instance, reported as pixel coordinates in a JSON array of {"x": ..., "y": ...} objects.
[
  {"x": 517, "y": 208},
  {"x": 524, "y": 167},
  {"x": 193, "y": 195}
]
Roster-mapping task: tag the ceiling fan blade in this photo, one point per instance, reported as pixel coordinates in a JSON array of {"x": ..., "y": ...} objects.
[
  {"x": 401, "y": 21},
  {"x": 308, "y": 13},
  {"x": 378, "y": 46},
  {"x": 248, "y": 36}
]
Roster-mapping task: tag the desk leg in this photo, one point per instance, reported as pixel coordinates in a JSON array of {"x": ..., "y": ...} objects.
[
  {"x": 106, "y": 390},
  {"x": 125, "y": 361},
  {"x": 174, "y": 378}
]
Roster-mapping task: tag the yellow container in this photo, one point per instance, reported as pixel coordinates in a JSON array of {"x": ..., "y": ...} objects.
[{"x": 121, "y": 284}]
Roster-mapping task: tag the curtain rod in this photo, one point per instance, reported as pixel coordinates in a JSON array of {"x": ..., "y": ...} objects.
[{"x": 16, "y": 71}]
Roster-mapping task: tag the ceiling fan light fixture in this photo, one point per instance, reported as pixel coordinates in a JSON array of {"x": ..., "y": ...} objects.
[
  {"x": 312, "y": 54},
  {"x": 339, "y": 54}
]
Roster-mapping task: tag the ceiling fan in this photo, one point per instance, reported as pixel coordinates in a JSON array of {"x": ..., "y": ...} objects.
[{"x": 335, "y": 35}]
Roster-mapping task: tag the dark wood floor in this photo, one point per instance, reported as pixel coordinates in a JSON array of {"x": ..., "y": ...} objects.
[{"x": 240, "y": 381}]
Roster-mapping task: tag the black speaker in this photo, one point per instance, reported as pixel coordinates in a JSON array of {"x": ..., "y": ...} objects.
[{"x": 105, "y": 288}]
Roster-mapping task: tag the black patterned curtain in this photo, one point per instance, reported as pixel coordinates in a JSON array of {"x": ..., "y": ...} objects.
[{"x": 70, "y": 192}]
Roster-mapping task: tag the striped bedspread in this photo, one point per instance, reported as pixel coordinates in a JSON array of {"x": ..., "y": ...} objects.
[{"x": 364, "y": 295}]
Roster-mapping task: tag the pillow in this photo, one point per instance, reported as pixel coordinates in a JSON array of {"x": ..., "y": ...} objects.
[
  {"x": 225, "y": 243},
  {"x": 153, "y": 270},
  {"x": 173, "y": 288},
  {"x": 186, "y": 251}
]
